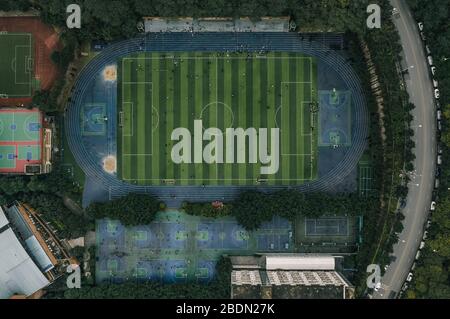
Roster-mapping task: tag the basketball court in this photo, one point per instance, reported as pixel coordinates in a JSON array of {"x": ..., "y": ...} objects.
[{"x": 20, "y": 139}]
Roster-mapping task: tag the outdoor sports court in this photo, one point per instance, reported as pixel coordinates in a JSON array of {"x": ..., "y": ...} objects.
[
  {"x": 20, "y": 139},
  {"x": 177, "y": 247},
  {"x": 16, "y": 64},
  {"x": 158, "y": 92},
  {"x": 327, "y": 227},
  {"x": 327, "y": 233}
]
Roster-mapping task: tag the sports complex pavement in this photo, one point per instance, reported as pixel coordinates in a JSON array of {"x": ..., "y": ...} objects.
[{"x": 93, "y": 126}]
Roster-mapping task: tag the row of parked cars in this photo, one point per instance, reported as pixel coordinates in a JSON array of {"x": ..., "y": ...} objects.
[{"x": 437, "y": 95}]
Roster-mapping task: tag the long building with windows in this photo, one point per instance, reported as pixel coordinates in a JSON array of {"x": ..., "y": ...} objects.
[
  {"x": 289, "y": 276},
  {"x": 31, "y": 257}
]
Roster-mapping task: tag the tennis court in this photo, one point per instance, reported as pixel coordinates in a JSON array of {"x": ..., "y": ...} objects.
[
  {"x": 327, "y": 234},
  {"x": 20, "y": 139},
  {"x": 365, "y": 176},
  {"x": 16, "y": 64},
  {"x": 327, "y": 227}
]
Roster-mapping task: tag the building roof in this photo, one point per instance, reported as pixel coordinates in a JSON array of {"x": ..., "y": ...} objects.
[
  {"x": 3, "y": 220},
  {"x": 214, "y": 24},
  {"x": 18, "y": 272},
  {"x": 300, "y": 262},
  {"x": 33, "y": 245}
]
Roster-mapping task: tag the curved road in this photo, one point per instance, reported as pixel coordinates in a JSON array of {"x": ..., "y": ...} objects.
[{"x": 420, "y": 89}]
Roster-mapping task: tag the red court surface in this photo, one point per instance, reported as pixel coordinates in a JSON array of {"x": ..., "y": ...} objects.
[{"x": 21, "y": 138}]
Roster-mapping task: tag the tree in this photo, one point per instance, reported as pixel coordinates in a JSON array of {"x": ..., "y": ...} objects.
[{"x": 131, "y": 210}]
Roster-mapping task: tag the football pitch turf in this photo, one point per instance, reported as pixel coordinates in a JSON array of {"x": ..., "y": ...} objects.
[
  {"x": 159, "y": 92},
  {"x": 16, "y": 64}
]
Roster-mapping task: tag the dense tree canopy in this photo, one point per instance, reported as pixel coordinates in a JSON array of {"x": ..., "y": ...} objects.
[
  {"x": 106, "y": 19},
  {"x": 432, "y": 276},
  {"x": 131, "y": 210},
  {"x": 253, "y": 208}
]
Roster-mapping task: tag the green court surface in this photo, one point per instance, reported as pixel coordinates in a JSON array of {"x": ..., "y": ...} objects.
[
  {"x": 327, "y": 234},
  {"x": 29, "y": 152},
  {"x": 19, "y": 126},
  {"x": 16, "y": 64},
  {"x": 158, "y": 93},
  {"x": 365, "y": 176},
  {"x": 7, "y": 159}
]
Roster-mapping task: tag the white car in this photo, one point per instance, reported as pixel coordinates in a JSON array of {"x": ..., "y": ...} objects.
[
  {"x": 430, "y": 60},
  {"x": 433, "y": 70},
  {"x": 439, "y": 126},
  {"x": 418, "y": 255},
  {"x": 410, "y": 276},
  {"x": 435, "y": 83},
  {"x": 427, "y": 48},
  {"x": 425, "y": 235},
  {"x": 437, "y": 94},
  {"x": 422, "y": 245},
  {"x": 420, "y": 24},
  {"x": 433, "y": 206},
  {"x": 439, "y": 160},
  {"x": 439, "y": 115},
  {"x": 377, "y": 286}
]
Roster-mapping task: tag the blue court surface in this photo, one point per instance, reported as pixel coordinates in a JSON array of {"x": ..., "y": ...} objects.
[{"x": 180, "y": 248}]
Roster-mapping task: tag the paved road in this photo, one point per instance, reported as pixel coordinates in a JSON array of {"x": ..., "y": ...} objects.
[{"x": 420, "y": 89}]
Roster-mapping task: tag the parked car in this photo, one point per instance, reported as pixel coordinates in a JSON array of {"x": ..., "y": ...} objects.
[
  {"x": 430, "y": 60},
  {"x": 439, "y": 160},
  {"x": 439, "y": 126},
  {"x": 402, "y": 204},
  {"x": 433, "y": 206},
  {"x": 405, "y": 287},
  {"x": 422, "y": 245},
  {"x": 439, "y": 115},
  {"x": 414, "y": 267},
  {"x": 440, "y": 150},
  {"x": 437, "y": 94},
  {"x": 428, "y": 223},
  {"x": 438, "y": 105},
  {"x": 427, "y": 48},
  {"x": 377, "y": 286},
  {"x": 435, "y": 83},
  {"x": 425, "y": 235},
  {"x": 418, "y": 255},
  {"x": 410, "y": 277},
  {"x": 420, "y": 24},
  {"x": 433, "y": 70},
  {"x": 438, "y": 172},
  {"x": 423, "y": 37}
]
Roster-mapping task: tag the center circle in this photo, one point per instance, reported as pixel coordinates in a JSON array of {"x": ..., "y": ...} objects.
[{"x": 213, "y": 112}]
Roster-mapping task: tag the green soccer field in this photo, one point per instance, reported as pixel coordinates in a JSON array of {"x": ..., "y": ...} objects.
[
  {"x": 16, "y": 65},
  {"x": 160, "y": 92}
]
